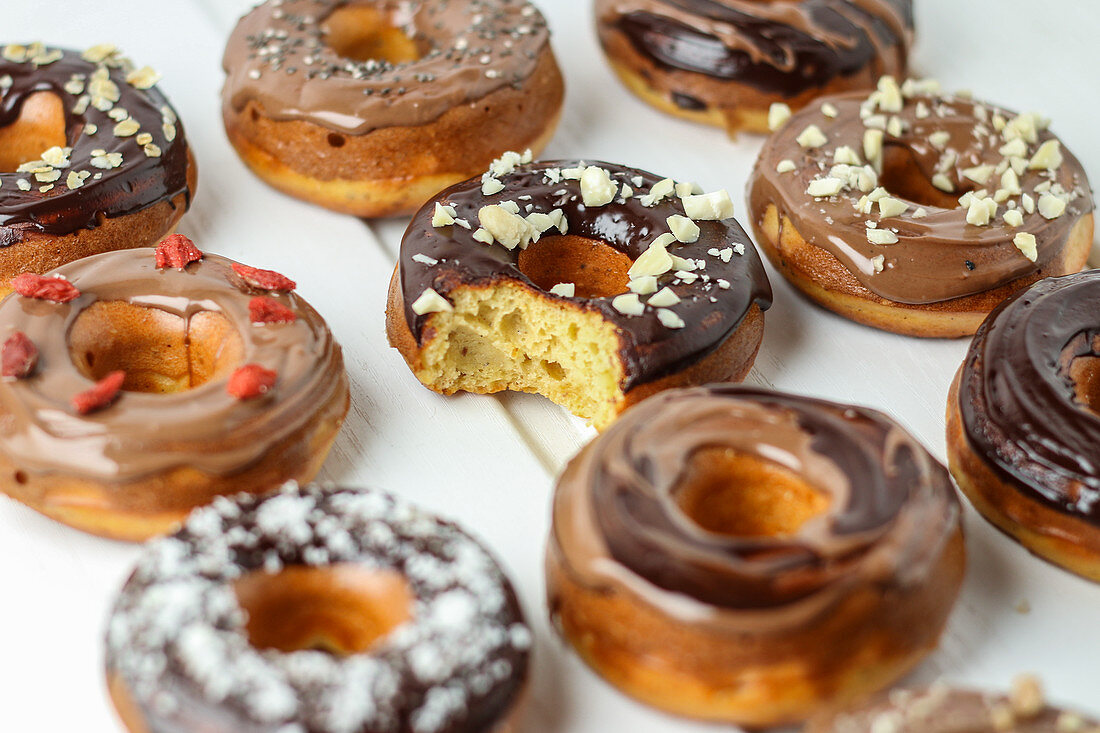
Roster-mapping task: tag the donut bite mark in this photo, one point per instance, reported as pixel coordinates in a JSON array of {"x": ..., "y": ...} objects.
[
  {"x": 94, "y": 157},
  {"x": 754, "y": 558},
  {"x": 1023, "y": 421},
  {"x": 140, "y": 384},
  {"x": 916, "y": 211},
  {"x": 725, "y": 64},
  {"x": 368, "y": 108},
  {"x": 592, "y": 284}
]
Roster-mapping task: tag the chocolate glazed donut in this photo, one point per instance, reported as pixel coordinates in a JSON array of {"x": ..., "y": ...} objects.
[
  {"x": 739, "y": 555},
  {"x": 118, "y": 173},
  {"x": 1023, "y": 424},
  {"x": 725, "y": 62}
]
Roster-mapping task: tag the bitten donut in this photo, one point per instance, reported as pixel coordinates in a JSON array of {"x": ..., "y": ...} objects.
[
  {"x": 750, "y": 557},
  {"x": 918, "y": 212},
  {"x": 140, "y": 384},
  {"x": 98, "y": 157},
  {"x": 1023, "y": 421},
  {"x": 369, "y": 107},
  {"x": 725, "y": 63},
  {"x": 942, "y": 709},
  {"x": 317, "y": 610},
  {"x": 594, "y": 285}
]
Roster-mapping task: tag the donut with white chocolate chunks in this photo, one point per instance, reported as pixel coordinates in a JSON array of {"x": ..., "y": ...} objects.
[
  {"x": 142, "y": 383},
  {"x": 317, "y": 610},
  {"x": 1023, "y": 421},
  {"x": 944, "y": 709},
  {"x": 752, "y": 557},
  {"x": 98, "y": 159},
  {"x": 592, "y": 284},
  {"x": 725, "y": 63},
  {"x": 918, "y": 212},
  {"x": 370, "y": 107}
]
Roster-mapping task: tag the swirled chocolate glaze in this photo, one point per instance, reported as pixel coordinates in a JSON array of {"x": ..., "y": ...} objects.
[
  {"x": 278, "y": 56},
  {"x": 941, "y": 709},
  {"x": 958, "y": 143},
  {"x": 713, "y": 298},
  {"x": 616, "y": 518},
  {"x": 146, "y": 433},
  {"x": 1017, "y": 399},
  {"x": 117, "y": 174},
  {"x": 177, "y": 636},
  {"x": 775, "y": 47}
]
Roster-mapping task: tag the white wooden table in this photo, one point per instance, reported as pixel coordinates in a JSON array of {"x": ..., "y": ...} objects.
[{"x": 489, "y": 462}]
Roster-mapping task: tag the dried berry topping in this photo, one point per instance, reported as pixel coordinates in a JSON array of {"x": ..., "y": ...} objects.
[
  {"x": 264, "y": 279},
  {"x": 55, "y": 289},
  {"x": 249, "y": 381},
  {"x": 263, "y": 309},
  {"x": 177, "y": 251},
  {"x": 100, "y": 395},
  {"x": 19, "y": 356}
]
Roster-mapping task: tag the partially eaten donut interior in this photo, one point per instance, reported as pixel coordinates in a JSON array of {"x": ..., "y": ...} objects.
[
  {"x": 160, "y": 352},
  {"x": 736, "y": 494},
  {"x": 39, "y": 127},
  {"x": 366, "y": 33},
  {"x": 507, "y": 336},
  {"x": 340, "y": 609}
]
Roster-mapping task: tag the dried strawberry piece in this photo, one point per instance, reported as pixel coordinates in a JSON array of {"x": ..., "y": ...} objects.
[
  {"x": 100, "y": 395},
  {"x": 249, "y": 381},
  {"x": 55, "y": 289},
  {"x": 19, "y": 356},
  {"x": 262, "y": 309},
  {"x": 177, "y": 251},
  {"x": 264, "y": 279}
]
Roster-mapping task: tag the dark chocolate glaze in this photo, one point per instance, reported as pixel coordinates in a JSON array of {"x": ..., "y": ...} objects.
[
  {"x": 891, "y": 503},
  {"x": 649, "y": 349},
  {"x": 139, "y": 182},
  {"x": 837, "y": 38},
  {"x": 188, "y": 577},
  {"x": 1017, "y": 400}
]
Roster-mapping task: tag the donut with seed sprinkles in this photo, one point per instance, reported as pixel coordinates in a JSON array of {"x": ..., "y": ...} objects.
[
  {"x": 98, "y": 159},
  {"x": 183, "y": 643}
]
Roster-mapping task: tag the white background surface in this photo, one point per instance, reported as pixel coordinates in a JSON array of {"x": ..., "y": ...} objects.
[{"x": 489, "y": 461}]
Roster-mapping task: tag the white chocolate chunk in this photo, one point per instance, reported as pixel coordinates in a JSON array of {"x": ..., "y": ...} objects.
[
  {"x": 431, "y": 302},
  {"x": 713, "y": 206},
  {"x": 683, "y": 228},
  {"x": 1025, "y": 242},
  {"x": 597, "y": 188},
  {"x": 778, "y": 114}
]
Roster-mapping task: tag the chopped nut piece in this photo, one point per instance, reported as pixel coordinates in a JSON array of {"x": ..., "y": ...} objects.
[
  {"x": 100, "y": 52},
  {"x": 57, "y": 156},
  {"x": 628, "y": 304},
  {"x": 431, "y": 302},
  {"x": 829, "y": 110},
  {"x": 939, "y": 139},
  {"x": 566, "y": 290},
  {"x": 683, "y": 228},
  {"x": 888, "y": 207},
  {"x": 1051, "y": 206},
  {"x": 981, "y": 211},
  {"x": 785, "y": 166},
  {"x": 597, "y": 188},
  {"x": 872, "y": 147},
  {"x": 1013, "y": 218},
  {"x": 778, "y": 114},
  {"x": 881, "y": 236},
  {"x": 889, "y": 99},
  {"x": 824, "y": 187},
  {"x": 425, "y": 260},
  {"x": 1028, "y": 203},
  {"x": 1027, "y": 696},
  {"x": 508, "y": 228},
  {"x": 920, "y": 213},
  {"x": 127, "y": 127},
  {"x": 688, "y": 189},
  {"x": 481, "y": 235},
  {"x": 443, "y": 215},
  {"x": 845, "y": 154},
  {"x": 660, "y": 190},
  {"x": 151, "y": 150},
  {"x": 142, "y": 78},
  {"x": 713, "y": 206},
  {"x": 654, "y": 261},
  {"x": 878, "y": 262},
  {"x": 669, "y": 319},
  {"x": 664, "y": 298},
  {"x": 1047, "y": 158},
  {"x": 979, "y": 173},
  {"x": 1015, "y": 148},
  {"x": 644, "y": 285},
  {"x": 943, "y": 183},
  {"x": 1025, "y": 242},
  {"x": 812, "y": 137},
  {"x": 490, "y": 186}
]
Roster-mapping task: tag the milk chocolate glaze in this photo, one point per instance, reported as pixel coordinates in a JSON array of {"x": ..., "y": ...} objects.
[
  {"x": 142, "y": 177},
  {"x": 711, "y": 310},
  {"x": 1019, "y": 408}
]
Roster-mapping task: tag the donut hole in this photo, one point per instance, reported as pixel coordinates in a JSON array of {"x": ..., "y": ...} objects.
[
  {"x": 1084, "y": 372},
  {"x": 159, "y": 351},
  {"x": 39, "y": 127},
  {"x": 341, "y": 609},
  {"x": 597, "y": 269},
  {"x": 363, "y": 33},
  {"x": 903, "y": 178},
  {"x": 735, "y": 494}
]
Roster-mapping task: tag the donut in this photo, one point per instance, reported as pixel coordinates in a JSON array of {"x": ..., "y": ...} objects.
[
  {"x": 99, "y": 159},
  {"x": 371, "y": 107},
  {"x": 318, "y": 610},
  {"x": 1023, "y": 421},
  {"x": 139, "y": 385},
  {"x": 753, "y": 558},
  {"x": 532, "y": 279},
  {"x": 918, "y": 212},
  {"x": 943, "y": 709},
  {"x": 726, "y": 63}
]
